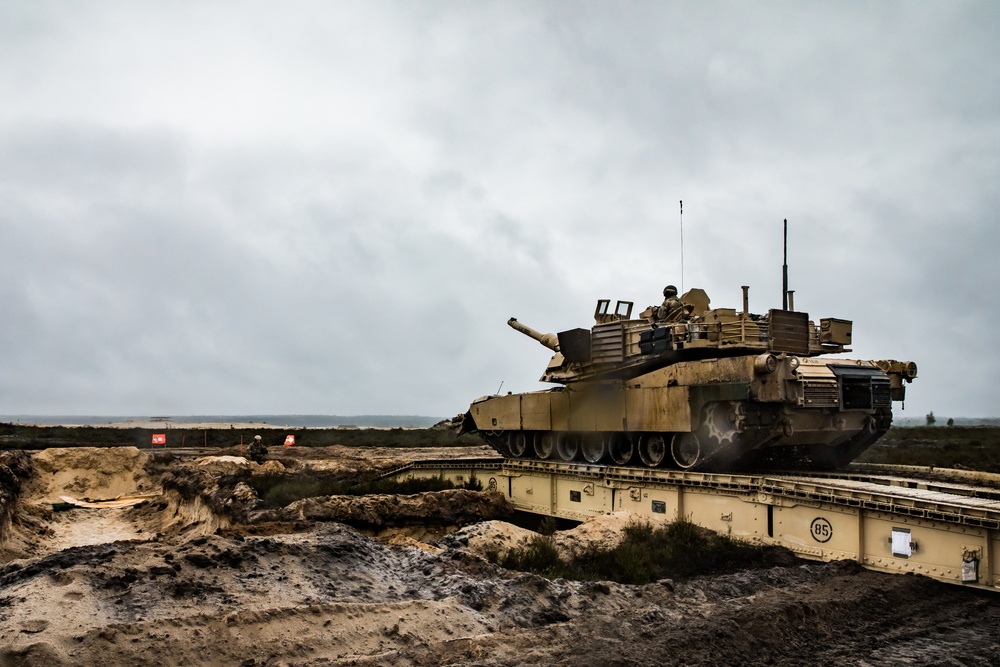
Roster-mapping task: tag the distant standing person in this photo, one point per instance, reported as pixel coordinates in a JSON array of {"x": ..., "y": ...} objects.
[{"x": 257, "y": 450}]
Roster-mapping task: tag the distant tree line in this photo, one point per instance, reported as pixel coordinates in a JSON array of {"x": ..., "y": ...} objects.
[{"x": 931, "y": 419}]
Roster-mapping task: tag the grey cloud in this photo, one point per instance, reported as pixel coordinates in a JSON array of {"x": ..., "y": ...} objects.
[{"x": 335, "y": 208}]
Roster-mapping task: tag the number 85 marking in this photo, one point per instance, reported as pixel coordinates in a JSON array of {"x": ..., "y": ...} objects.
[{"x": 821, "y": 529}]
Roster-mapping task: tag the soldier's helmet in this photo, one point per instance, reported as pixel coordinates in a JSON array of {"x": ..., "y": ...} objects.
[
  {"x": 256, "y": 437},
  {"x": 669, "y": 291}
]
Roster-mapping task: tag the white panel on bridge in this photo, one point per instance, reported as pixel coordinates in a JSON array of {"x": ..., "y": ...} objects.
[{"x": 901, "y": 542}]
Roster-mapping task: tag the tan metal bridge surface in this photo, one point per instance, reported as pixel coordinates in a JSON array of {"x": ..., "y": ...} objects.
[{"x": 890, "y": 520}]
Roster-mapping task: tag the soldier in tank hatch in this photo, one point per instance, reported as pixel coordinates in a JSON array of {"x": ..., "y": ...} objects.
[{"x": 672, "y": 309}]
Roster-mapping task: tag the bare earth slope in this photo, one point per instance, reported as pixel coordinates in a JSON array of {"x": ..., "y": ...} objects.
[{"x": 170, "y": 582}]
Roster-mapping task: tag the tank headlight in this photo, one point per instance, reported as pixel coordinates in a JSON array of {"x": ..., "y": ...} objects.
[
  {"x": 765, "y": 363},
  {"x": 793, "y": 362}
]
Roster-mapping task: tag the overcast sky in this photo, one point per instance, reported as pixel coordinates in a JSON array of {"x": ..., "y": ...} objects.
[{"x": 333, "y": 207}]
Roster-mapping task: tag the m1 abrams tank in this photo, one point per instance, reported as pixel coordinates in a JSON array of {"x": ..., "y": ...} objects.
[{"x": 695, "y": 388}]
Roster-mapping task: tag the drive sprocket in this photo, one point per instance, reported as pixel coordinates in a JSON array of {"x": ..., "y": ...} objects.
[{"x": 722, "y": 422}]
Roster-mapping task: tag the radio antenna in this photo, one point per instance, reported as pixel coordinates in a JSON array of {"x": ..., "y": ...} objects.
[
  {"x": 499, "y": 388},
  {"x": 682, "y": 246},
  {"x": 784, "y": 273}
]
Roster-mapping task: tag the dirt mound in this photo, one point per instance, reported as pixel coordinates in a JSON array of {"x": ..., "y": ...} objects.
[
  {"x": 93, "y": 473},
  {"x": 490, "y": 537},
  {"x": 603, "y": 531},
  {"x": 449, "y": 508},
  {"x": 498, "y": 537}
]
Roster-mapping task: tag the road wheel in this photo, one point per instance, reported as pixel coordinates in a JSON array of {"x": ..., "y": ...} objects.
[
  {"x": 517, "y": 443},
  {"x": 594, "y": 447},
  {"x": 545, "y": 444},
  {"x": 686, "y": 450},
  {"x": 652, "y": 449},
  {"x": 621, "y": 449},
  {"x": 568, "y": 446}
]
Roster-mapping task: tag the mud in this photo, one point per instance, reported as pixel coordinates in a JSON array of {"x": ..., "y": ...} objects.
[{"x": 204, "y": 575}]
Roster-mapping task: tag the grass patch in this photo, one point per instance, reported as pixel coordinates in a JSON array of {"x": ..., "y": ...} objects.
[
  {"x": 282, "y": 490},
  {"x": 381, "y": 437},
  {"x": 644, "y": 555},
  {"x": 970, "y": 447},
  {"x": 538, "y": 556}
]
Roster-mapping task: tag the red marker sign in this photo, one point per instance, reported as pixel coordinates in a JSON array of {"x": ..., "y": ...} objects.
[
  {"x": 289, "y": 440},
  {"x": 159, "y": 438}
]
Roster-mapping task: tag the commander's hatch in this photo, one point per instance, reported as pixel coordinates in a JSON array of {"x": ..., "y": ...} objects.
[{"x": 623, "y": 311}]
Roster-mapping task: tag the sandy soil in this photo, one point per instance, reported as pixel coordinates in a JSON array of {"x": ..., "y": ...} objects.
[{"x": 202, "y": 576}]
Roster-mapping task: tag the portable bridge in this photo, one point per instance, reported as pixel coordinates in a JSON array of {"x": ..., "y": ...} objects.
[{"x": 943, "y": 524}]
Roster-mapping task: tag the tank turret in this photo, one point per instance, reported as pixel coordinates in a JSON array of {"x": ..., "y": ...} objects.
[{"x": 618, "y": 346}]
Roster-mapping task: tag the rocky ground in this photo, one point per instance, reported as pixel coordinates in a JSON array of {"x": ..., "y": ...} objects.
[{"x": 201, "y": 573}]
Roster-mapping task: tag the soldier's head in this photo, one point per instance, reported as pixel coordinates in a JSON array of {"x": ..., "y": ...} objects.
[{"x": 669, "y": 291}]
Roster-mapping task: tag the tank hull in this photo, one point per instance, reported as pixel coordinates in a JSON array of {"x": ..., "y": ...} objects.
[{"x": 732, "y": 413}]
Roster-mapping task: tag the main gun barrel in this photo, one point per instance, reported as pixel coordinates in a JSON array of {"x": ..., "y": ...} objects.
[{"x": 549, "y": 340}]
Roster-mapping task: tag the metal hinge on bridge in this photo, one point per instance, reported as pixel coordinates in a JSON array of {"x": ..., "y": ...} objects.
[
  {"x": 971, "y": 553},
  {"x": 970, "y": 563}
]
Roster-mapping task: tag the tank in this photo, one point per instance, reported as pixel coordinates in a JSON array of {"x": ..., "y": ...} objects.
[{"x": 687, "y": 386}]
